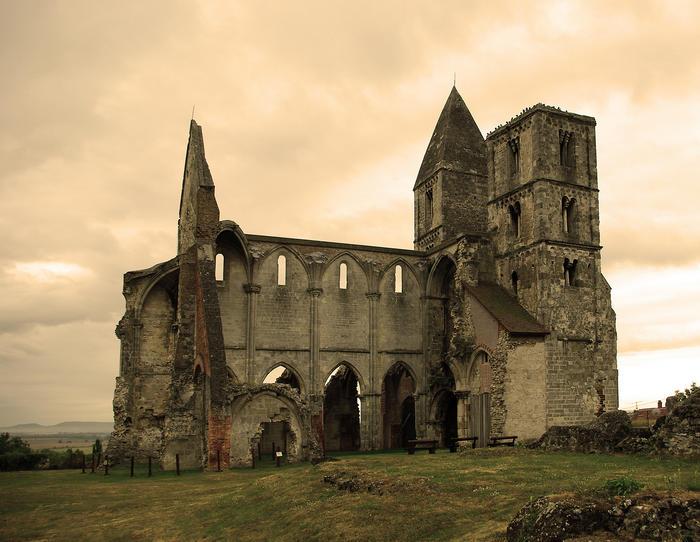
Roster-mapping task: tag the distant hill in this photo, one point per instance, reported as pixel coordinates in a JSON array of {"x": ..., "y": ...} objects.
[{"x": 59, "y": 428}]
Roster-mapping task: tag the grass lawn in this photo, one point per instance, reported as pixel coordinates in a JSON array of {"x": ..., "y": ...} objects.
[{"x": 469, "y": 496}]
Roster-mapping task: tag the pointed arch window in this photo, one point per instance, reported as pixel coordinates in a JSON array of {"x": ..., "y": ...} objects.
[
  {"x": 219, "y": 268},
  {"x": 343, "y": 276},
  {"x": 281, "y": 270},
  {"x": 398, "y": 279}
]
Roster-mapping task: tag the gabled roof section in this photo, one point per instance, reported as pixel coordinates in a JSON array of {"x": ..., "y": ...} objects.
[
  {"x": 456, "y": 144},
  {"x": 506, "y": 309}
]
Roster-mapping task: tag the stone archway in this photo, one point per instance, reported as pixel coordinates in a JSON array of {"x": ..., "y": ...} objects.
[
  {"x": 398, "y": 407},
  {"x": 341, "y": 410},
  {"x": 249, "y": 413}
]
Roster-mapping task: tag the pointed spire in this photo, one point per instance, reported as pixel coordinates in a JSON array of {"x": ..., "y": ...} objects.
[
  {"x": 195, "y": 178},
  {"x": 456, "y": 143},
  {"x": 195, "y": 161}
]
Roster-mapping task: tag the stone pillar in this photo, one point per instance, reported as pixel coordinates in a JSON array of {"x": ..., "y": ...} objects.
[
  {"x": 315, "y": 385},
  {"x": 372, "y": 406},
  {"x": 374, "y": 420},
  {"x": 252, "y": 290},
  {"x": 421, "y": 422},
  {"x": 463, "y": 429}
]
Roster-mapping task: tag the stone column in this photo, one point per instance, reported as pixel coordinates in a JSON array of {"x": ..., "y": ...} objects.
[
  {"x": 463, "y": 429},
  {"x": 371, "y": 393},
  {"x": 252, "y": 291},
  {"x": 314, "y": 341}
]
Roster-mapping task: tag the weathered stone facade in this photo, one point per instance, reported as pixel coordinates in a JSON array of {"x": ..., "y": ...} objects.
[{"x": 498, "y": 322}]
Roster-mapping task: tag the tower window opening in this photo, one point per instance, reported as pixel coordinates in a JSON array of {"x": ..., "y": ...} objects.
[
  {"x": 570, "y": 272},
  {"x": 343, "y": 279},
  {"x": 514, "y": 282},
  {"x": 429, "y": 207},
  {"x": 219, "y": 268},
  {"x": 514, "y": 146},
  {"x": 281, "y": 270},
  {"x": 567, "y": 214},
  {"x": 566, "y": 148},
  {"x": 514, "y": 212},
  {"x": 398, "y": 279}
]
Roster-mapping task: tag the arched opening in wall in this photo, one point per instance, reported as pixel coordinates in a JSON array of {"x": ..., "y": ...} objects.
[
  {"x": 566, "y": 148},
  {"x": 341, "y": 410},
  {"x": 443, "y": 308},
  {"x": 281, "y": 374},
  {"x": 274, "y": 437},
  {"x": 343, "y": 276},
  {"x": 568, "y": 214},
  {"x": 444, "y": 406},
  {"x": 219, "y": 268},
  {"x": 479, "y": 382},
  {"x": 398, "y": 407},
  {"x": 514, "y": 282},
  {"x": 398, "y": 279},
  {"x": 281, "y": 270},
  {"x": 514, "y": 213},
  {"x": 570, "y": 272},
  {"x": 446, "y": 417}
]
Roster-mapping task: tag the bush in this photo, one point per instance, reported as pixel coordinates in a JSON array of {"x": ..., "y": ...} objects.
[
  {"x": 67, "y": 459},
  {"x": 622, "y": 486},
  {"x": 20, "y": 461}
]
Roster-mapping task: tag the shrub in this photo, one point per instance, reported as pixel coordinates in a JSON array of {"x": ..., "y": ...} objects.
[
  {"x": 622, "y": 486},
  {"x": 20, "y": 461}
]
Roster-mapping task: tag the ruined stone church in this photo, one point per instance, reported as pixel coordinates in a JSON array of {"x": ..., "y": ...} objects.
[{"x": 498, "y": 322}]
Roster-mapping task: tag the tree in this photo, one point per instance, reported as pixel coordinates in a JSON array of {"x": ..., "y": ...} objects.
[{"x": 9, "y": 444}]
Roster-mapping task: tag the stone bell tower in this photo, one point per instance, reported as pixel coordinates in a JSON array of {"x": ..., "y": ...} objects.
[{"x": 450, "y": 193}]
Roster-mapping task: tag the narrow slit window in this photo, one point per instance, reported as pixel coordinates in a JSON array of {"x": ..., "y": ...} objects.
[
  {"x": 566, "y": 148},
  {"x": 343, "y": 282},
  {"x": 398, "y": 279},
  {"x": 514, "y": 212},
  {"x": 281, "y": 270},
  {"x": 429, "y": 207},
  {"x": 219, "y": 268},
  {"x": 514, "y": 145},
  {"x": 514, "y": 282},
  {"x": 568, "y": 209}
]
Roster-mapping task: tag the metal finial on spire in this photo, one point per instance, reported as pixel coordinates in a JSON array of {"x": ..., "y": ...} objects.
[
  {"x": 192, "y": 112},
  {"x": 454, "y": 83}
]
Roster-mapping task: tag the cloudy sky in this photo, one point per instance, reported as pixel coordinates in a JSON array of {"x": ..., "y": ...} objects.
[{"x": 316, "y": 116}]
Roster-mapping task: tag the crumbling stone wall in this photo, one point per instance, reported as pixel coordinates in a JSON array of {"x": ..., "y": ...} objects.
[{"x": 251, "y": 406}]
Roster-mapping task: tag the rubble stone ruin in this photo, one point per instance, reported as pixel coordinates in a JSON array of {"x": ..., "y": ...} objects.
[{"x": 498, "y": 322}]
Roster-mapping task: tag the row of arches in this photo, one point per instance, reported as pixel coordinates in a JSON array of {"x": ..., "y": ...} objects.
[{"x": 342, "y": 406}]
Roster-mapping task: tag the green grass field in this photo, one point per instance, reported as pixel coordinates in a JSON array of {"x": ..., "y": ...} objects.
[{"x": 469, "y": 496}]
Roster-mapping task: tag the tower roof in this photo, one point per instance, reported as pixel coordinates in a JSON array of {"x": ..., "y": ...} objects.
[{"x": 456, "y": 143}]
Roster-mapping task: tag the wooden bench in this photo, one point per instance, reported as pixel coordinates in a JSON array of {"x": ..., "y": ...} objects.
[
  {"x": 454, "y": 442},
  {"x": 418, "y": 444},
  {"x": 502, "y": 441}
]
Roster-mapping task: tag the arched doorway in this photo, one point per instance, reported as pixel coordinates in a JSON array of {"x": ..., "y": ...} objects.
[
  {"x": 341, "y": 410},
  {"x": 443, "y": 411},
  {"x": 398, "y": 407},
  {"x": 446, "y": 416}
]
